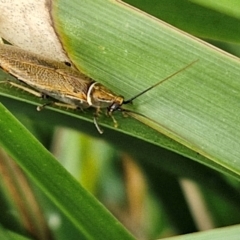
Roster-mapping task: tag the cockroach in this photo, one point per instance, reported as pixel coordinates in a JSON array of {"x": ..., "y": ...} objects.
[{"x": 63, "y": 83}]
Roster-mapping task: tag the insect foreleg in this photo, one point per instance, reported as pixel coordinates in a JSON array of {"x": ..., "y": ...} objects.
[{"x": 113, "y": 118}]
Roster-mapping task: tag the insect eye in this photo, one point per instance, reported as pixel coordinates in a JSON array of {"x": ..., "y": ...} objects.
[{"x": 115, "y": 106}]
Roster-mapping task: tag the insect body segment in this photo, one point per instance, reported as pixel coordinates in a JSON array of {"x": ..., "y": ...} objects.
[
  {"x": 99, "y": 96},
  {"x": 49, "y": 76},
  {"x": 56, "y": 79},
  {"x": 61, "y": 82}
]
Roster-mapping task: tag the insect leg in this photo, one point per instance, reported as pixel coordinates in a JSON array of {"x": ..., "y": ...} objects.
[
  {"x": 26, "y": 89},
  {"x": 59, "y": 104},
  {"x": 97, "y": 125},
  {"x": 68, "y": 106},
  {"x": 41, "y": 107},
  {"x": 114, "y": 120},
  {"x": 95, "y": 116}
]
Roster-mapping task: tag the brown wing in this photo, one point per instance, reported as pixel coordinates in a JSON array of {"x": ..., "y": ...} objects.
[{"x": 51, "y": 77}]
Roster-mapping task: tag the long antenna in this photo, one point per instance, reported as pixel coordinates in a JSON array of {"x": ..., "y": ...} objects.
[{"x": 156, "y": 84}]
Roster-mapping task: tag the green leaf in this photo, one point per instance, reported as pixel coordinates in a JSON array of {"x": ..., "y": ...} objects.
[
  {"x": 5, "y": 234},
  {"x": 216, "y": 20},
  {"x": 197, "y": 108},
  {"x": 129, "y": 51},
  {"x": 228, "y": 233},
  {"x": 82, "y": 209}
]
